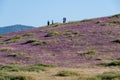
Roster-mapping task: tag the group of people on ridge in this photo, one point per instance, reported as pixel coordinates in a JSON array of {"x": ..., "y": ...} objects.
[{"x": 64, "y": 21}]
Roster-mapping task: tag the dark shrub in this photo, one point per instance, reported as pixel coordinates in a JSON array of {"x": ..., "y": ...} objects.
[
  {"x": 20, "y": 54},
  {"x": 109, "y": 76},
  {"x": 5, "y": 76},
  {"x": 90, "y": 52},
  {"x": 52, "y": 34},
  {"x": 67, "y": 73},
  {"x": 117, "y": 41},
  {"x": 6, "y": 49},
  {"x": 115, "y": 22},
  {"x": 98, "y": 22},
  {"x": 117, "y": 16},
  {"x": 32, "y": 41},
  {"x": 113, "y": 63},
  {"x": 37, "y": 42}
]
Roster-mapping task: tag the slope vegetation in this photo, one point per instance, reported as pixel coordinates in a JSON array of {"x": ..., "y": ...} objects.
[{"x": 73, "y": 44}]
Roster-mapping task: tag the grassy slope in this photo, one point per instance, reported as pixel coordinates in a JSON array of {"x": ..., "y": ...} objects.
[
  {"x": 75, "y": 43},
  {"x": 75, "y": 46}
]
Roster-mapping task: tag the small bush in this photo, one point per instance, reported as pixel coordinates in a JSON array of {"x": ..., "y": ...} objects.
[
  {"x": 37, "y": 42},
  {"x": 90, "y": 52},
  {"x": 104, "y": 58},
  {"x": 27, "y": 35},
  {"x": 99, "y": 22},
  {"x": 52, "y": 34},
  {"x": 117, "y": 41},
  {"x": 34, "y": 68},
  {"x": 113, "y": 63},
  {"x": 17, "y": 38},
  {"x": 117, "y": 16},
  {"x": 115, "y": 22},
  {"x": 32, "y": 41},
  {"x": 67, "y": 73},
  {"x": 9, "y": 68},
  {"x": 37, "y": 67},
  {"x": 88, "y": 78},
  {"x": 103, "y": 76},
  {"x": 41, "y": 43},
  {"x": 5, "y": 76},
  {"x": 70, "y": 33},
  {"x": 20, "y": 77},
  {"x": 18, "y": 55},
  {"x": 13, "y": 39},
  {"x": 6, "y": 49},
  {"x": 45, "y": 65},
  {"x": 109, "y": 76}
]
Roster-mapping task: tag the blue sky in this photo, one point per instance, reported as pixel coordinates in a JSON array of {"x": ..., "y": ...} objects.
[{"x": 38, "y": 12}]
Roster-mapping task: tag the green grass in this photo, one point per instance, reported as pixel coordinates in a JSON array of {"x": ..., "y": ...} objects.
[
  {"x": 6, "y": 49},
  {"x": 104, "y": 58},
  {"x": 113, "y": 63},
  {"x": 41, "y": 42},
  {"x": 54, "y": 33},
  {"x": 10, "y": 68},
  {"x": 30, "y": 68},
  {"x": 27, "y": 35},
  {"x": 89, "y": 78},
  {"x": 109, "y": 76},
  {"x": 20, "y": 54},
  {"x": 13, "y": 39},
  {"x": 115, "y": 22},
  {"x": 70, "y": 33},
  {"x": 17, "y": 38},
  {"x": 90, "y": 52},
  {"x": 6, "y": 76},
  {"x": 37, "y": 42},
  {"x": 45, "y": 65},
  {"x": 67, "y": 73},
  {"x": 103, "y": 76},
  {"x": 117, "y": 15}
]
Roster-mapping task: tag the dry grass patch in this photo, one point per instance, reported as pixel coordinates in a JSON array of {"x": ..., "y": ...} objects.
[{"x": 6, "y": 49}]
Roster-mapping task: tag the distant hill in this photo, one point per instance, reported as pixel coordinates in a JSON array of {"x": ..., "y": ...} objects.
[{"x": 14, "y": 28}]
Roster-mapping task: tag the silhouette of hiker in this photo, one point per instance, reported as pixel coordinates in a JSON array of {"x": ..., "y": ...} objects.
[
  {"x": 52, "y": 22},
  {"x": 64, "y": 20},
  {"x": 48, "y": 23}
]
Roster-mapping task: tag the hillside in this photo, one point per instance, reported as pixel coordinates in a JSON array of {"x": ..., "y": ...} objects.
[
  {"x": 74, "y": 44},
  {"x": 14, "y": 28}
]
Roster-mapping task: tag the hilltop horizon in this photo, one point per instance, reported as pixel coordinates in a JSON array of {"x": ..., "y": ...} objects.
[{"x": 36, "y": 13}]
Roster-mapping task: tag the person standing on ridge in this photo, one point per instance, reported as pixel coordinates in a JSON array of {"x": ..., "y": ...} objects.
[
  {"x": 48, "y": 23},
  {"x": 52, "y": 22},
  {"x": 64, "y": 20}
]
